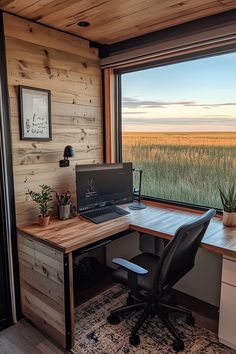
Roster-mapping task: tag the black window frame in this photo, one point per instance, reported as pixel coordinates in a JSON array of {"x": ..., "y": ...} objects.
[
  {"x": 118, "y": 113},
  {"x": 9, "y": 198}
]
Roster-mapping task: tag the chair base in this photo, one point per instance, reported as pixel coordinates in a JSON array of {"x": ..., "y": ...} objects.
[{"x": 152, "y": 307}]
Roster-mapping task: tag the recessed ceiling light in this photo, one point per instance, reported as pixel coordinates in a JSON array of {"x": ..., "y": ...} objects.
[{"x": 83, "y": 24}]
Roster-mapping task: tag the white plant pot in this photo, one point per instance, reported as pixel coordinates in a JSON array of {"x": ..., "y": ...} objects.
[{"x": 229, "y": 219}]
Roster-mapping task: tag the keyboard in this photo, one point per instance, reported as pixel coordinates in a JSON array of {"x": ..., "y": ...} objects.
[{"x": 104, "y": 214}]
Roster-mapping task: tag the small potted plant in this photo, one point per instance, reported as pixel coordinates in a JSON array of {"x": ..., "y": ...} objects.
[
  {"x": 42, "y": 198},
  {"x": 228, "y": 199}
]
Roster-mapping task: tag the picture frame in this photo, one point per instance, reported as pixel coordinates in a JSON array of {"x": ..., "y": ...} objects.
[{"x": 35, "y": 113}]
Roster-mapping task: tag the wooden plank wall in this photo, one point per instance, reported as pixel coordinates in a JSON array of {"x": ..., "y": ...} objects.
[{"x": 42, "y": 57}]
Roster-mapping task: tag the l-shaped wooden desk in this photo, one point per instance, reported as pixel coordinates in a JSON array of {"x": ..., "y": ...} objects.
[{"x": 46, "y": 263}]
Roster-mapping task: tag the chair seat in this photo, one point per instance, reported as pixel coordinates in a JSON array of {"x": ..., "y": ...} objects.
[{"x": 148, "y": 261}]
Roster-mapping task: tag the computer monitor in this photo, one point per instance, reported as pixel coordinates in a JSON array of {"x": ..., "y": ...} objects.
[{"x": 103, "y": 184}]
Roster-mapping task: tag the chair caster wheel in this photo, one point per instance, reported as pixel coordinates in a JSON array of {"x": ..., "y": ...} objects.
[
  {"x": 134, "y": 340},
  {"x": 190, "y": 320},
  {"x": 113, "y": 319},
  {"x": 178, "y": 345}
]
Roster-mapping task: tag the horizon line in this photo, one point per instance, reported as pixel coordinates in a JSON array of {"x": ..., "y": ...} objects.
[{"x": 182, "y": 132}]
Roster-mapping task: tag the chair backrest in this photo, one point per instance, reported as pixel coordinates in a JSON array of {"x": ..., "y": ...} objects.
[{"x": 179, "y": 255}]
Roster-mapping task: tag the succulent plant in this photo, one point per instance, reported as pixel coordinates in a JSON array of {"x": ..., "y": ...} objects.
[{"x": 228, "y": 199}]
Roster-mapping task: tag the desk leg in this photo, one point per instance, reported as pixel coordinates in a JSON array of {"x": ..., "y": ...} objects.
[{"x": 69, "y": 300}]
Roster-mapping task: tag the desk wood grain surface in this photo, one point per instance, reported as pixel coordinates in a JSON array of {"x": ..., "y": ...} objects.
[{"x": 157, "y": 219}]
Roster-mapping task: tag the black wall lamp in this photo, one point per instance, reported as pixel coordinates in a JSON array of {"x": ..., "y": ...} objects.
[
  {"x": 137, "y": 204},
  {"x": 68, "y": 152}
]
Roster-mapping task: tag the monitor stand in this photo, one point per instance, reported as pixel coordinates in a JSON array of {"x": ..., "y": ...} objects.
[{"x": 137, "y": 205}]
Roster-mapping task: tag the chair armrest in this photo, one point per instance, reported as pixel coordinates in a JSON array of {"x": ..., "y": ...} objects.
[{"x": 127, "y": 265}]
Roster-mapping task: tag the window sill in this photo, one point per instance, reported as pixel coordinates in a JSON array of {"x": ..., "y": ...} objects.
[{"x": 178, "y": 205}]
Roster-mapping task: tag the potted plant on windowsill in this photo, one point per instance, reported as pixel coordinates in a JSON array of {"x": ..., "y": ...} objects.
[
  {"x": 42, "y": 199},
  {"x": 228, "y": 200}
]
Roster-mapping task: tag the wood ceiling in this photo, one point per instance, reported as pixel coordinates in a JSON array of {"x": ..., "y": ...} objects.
[{"x": 115, "y": 20}]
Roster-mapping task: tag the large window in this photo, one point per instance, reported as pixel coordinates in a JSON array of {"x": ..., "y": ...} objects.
[{"x": 179, "y": 127}]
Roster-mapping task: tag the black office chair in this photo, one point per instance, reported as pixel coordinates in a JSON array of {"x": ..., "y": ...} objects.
[{"x": 150, "y": 277}]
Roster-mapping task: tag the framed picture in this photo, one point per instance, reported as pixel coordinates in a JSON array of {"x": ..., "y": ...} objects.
[{"x": 35, "y": 113}]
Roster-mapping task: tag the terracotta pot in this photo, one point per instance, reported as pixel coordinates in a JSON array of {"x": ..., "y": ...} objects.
[
  {"x": 229, "y": 219},
  {"x": 44, "y": 221}
]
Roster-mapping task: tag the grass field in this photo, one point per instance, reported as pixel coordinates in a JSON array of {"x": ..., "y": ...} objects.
[{"x": 186, "y": 167}]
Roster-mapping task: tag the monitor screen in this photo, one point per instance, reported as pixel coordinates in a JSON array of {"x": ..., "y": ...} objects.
[{"x": 105, "y": 184}]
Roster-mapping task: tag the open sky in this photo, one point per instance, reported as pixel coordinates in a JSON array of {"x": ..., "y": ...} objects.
[{"x": 197, "y": 95}]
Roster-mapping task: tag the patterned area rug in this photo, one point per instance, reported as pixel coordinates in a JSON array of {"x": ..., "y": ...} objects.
[{"x": 94, "y": 335}]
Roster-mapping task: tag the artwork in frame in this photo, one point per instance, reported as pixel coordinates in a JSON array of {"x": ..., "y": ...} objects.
[{"x": 35, "y": 113}]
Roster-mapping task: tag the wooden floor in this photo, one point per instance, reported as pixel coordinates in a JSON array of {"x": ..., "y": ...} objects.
[{"x": 23, "y": 338}]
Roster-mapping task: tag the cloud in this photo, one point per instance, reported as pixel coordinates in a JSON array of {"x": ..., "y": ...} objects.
[
  {"x": 223, "y": 116},
  {"x": 135, "y": 112},
  {"x": 129, "y": 102},
  {"x": 210, "y": 105},
  {"x": 207, "y": 121}
]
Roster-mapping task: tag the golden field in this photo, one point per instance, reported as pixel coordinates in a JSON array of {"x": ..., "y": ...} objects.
[
  {"x": 185, "y": 167},
  {"x": 190, "y": 139}
]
